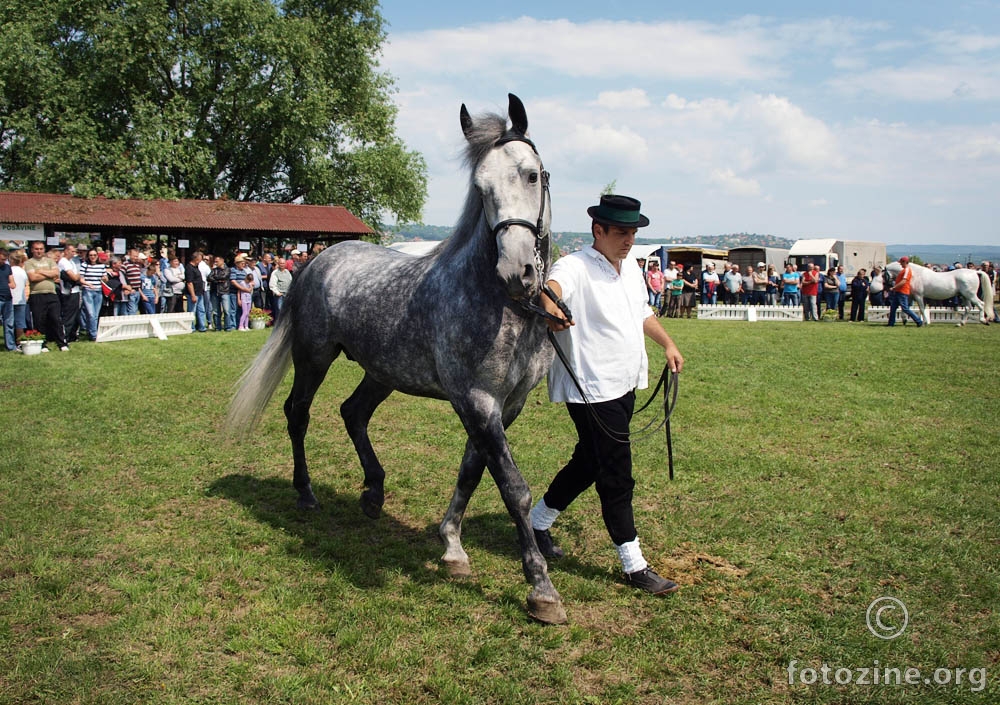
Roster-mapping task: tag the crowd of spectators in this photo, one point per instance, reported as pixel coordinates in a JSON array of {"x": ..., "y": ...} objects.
[
  {"x": 816, "y": 291},
  {"x": 63, "y": 293}
]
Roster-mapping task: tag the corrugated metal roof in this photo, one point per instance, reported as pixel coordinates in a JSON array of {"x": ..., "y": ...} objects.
[{"x": 161, "y": 215}]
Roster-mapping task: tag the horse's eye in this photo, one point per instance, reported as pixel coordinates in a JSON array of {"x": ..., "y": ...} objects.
[{"x": 533, "y": 178}]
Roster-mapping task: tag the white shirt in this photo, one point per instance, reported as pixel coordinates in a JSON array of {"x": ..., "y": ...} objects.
[
  {"x": 607, "y": 346},
  {"x": 670, "y": 273},
  {"x": 20, "y": 281},
  {"x": 205, "y": 270},
  {"x": 68, "y": 265}
]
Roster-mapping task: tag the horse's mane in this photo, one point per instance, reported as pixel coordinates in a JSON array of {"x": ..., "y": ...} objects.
[{"x": 486, "y": 129}]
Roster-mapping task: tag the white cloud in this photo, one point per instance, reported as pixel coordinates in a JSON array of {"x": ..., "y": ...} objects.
[
  {"x": 663, "y": 49},
  {"x": 631, "y": 99},
  {"x": 698, "y": 119},
  {"x": 924, "y": 82},
  {"x": 952, "y": 42},
  {"x": 732, "y": 184}
]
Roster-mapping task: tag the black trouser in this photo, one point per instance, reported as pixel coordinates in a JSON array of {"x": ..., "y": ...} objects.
[
  {"x": 46, "y": 316},
  {"x": 69, "y": 305},
  {"x": 858, "y": 308},
  {"x": 602, "y": 461}
]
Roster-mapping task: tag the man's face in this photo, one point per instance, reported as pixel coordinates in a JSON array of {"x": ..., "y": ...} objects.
[
  {"x": 70, "y": 252},
  {"x": 614, "y": 241},
  {"x": 37, "y": 250},
  {"x": 3, "y": 258}
]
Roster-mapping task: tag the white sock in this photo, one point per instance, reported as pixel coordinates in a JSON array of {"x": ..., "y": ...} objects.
[
  {"x": 631, "y": 556},
  {"x": 543, "y": 516}
]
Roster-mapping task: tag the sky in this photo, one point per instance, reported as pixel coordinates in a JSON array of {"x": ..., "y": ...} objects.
[{"x": 865, "y": 121}]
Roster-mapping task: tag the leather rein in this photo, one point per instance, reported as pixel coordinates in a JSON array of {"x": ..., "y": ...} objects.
[{"x": 668, "y": 379}]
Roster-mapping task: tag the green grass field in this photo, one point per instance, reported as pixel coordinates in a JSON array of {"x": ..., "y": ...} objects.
[{"x": 145, "y": 558}]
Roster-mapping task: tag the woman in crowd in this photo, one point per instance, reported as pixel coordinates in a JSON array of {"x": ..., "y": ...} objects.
[
  {"x": 174, "y": 277},
  {"x": 831, "y": 288},
  {"x": 246, "y": 302},
  {"x": 859, "y": 295},
  {"x": 91, "y": 275},
  {"x": 114, "y": 280}
]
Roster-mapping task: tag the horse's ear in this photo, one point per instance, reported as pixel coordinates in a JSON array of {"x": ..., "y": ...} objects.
[
  {"x": 518, "y": 118},
  {"x": 466, "y": 120}
]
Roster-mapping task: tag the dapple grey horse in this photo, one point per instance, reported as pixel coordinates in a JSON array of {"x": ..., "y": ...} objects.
[{"x": 447, "y": 325}]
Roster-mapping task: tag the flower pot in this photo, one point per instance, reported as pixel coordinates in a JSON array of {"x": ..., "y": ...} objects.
[
  {"x": 32, "y": 347},
  {"x": 258, "y": 323}
]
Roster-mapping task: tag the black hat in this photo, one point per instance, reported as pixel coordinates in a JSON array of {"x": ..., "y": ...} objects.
[{"x": 622, "y": 211}]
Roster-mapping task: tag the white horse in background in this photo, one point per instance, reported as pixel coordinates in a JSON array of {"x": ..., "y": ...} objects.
[{"x": 926, "y": 283}]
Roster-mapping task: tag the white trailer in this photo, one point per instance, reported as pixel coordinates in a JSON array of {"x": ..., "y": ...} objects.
[{"x": 830, "y": 252}]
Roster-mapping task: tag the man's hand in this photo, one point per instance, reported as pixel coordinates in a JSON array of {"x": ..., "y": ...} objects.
[{"x": 551, "y": 307}]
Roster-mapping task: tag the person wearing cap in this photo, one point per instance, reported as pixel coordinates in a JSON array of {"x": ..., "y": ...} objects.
[
  {"x": 237, "y": 286},
  {"x": 759, "y": 296},
  {"x": 605, "y": 345},
  {"x": 901, "y": 294}
]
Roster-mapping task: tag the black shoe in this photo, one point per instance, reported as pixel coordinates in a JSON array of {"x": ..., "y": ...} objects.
[
  {"x": 647, "y": 579},
  {"x": 546, "y": 546}
]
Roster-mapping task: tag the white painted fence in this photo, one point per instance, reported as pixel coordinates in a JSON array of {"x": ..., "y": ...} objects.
[
  {"x": 873, "y": 314},
  {"x": 158, "y": 325},
  {"x": 746, "y": 312}
]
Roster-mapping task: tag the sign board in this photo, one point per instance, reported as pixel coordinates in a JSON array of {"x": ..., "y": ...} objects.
[
  {"x": 21, "y": 231},
  {"x": 118, "y": 246},
  {"x": 244, "y": 245},
  {"x": 301, "y": 247},
  {"x": 183, "y": 244},
  {"x": 54, "y": 240}
]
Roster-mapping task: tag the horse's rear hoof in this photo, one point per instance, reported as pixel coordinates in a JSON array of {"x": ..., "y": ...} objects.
[
  {"x": 307, "y": 503},
  {"x": 546, "y": 611},
  {"x": 370, "y": 507},
  {"x": 458, "y": 569}
]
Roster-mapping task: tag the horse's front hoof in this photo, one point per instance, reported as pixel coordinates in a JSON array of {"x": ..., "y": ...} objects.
[
  {"x": 370, "y": 505},
  {"x": 307, "y": 500},
  {"x": 546, "y": 610}
]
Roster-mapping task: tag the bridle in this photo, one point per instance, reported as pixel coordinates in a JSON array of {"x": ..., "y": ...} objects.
[
  {"x": 541, "y": 236},
  {"x": 668, "y": 379}
]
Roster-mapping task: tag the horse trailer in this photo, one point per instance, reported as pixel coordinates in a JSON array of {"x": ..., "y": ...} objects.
[{"x": 830, "y": 252}]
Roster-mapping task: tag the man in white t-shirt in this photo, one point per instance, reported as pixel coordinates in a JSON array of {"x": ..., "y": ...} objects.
[
  {"x": 605, "y": 345},
  {"x": 69, "y": 294}
]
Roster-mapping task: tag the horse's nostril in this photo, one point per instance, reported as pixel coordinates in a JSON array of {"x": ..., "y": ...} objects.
[{"x": 529, "y": 272}]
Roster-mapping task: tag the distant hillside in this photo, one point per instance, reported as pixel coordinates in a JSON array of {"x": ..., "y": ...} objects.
[{"x": 569, "y": 242}]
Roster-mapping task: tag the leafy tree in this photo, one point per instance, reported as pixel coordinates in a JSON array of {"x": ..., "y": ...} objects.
[{"x": 252, "y": 100}]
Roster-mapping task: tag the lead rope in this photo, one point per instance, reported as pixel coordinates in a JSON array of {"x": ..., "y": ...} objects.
[{"x": 668, "y": 381}]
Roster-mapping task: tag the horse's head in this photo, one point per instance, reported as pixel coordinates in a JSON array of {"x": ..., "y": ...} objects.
[{"x": 514, "y": 190}]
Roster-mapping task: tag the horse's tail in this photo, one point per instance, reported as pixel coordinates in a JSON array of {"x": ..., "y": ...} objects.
[
  {"x": 259, "y": 381},
  {"x": 988, "y": 301}
]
